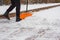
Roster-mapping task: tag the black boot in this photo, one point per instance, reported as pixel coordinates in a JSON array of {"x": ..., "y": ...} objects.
[
  {"x": 18, "y": 19},
  {"x": 6, "y": 16}
]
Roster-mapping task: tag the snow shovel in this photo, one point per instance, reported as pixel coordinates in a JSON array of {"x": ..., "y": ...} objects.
[{"x": 23, "y": 15}]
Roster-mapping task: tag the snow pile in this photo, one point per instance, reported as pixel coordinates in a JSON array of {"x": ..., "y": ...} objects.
[
  {"x": 47, "y": 23},
  {"x": 42, "y": 25},
  {"x": 23, "y": 7}
]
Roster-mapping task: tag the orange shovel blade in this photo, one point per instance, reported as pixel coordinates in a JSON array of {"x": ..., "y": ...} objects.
[{"x": 25, "y": 14}]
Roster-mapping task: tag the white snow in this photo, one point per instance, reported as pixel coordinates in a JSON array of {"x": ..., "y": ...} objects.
[
  {"x": 23, "y": 7},
  {"x": 42, "y": 25}
]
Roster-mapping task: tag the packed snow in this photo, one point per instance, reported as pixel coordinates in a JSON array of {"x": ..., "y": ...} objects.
[
  {"x": 42, "y": 25},
  {"x": 23, "y": 7}
]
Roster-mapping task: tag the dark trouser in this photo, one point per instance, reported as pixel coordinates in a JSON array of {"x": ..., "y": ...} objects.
[{"x": 15, "y": 3}]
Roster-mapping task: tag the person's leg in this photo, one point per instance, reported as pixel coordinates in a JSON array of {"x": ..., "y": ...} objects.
[
  {"x": 9, "y": 9},
  {"x": 18, "y": 11}
]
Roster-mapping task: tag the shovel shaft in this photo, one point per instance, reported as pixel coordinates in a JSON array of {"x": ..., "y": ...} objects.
[{"x": 27, "y": 6}]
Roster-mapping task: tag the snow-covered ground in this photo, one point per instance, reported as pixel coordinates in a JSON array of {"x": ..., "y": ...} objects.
[
  {"x": 42, "y": 25},
  {"x": 23, "y": 7}
]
